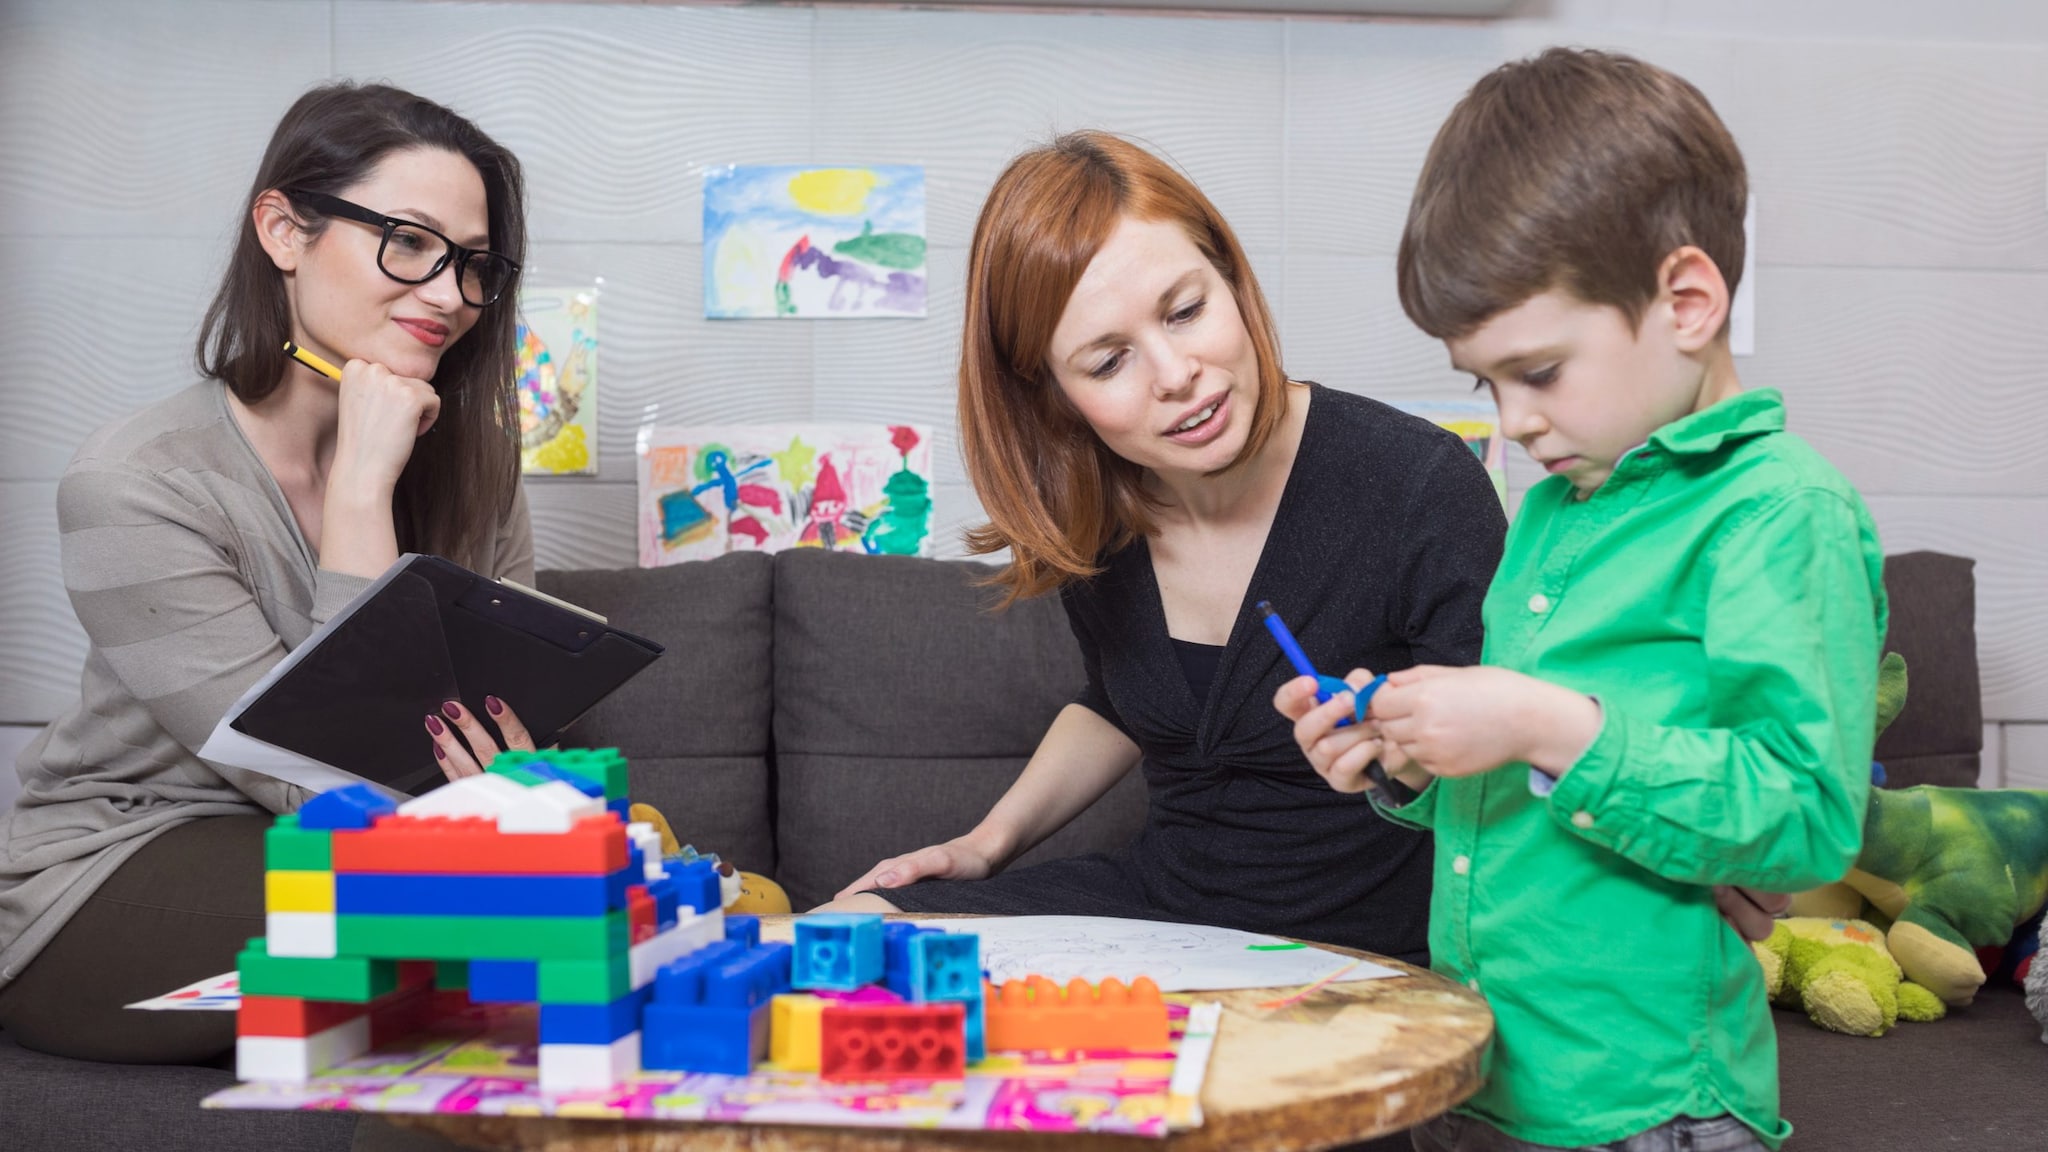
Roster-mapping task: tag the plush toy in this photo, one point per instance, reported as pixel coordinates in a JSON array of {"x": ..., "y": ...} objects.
[
  {"x": 742, "y": 892},
  {"x": 1839, "y": 972}
]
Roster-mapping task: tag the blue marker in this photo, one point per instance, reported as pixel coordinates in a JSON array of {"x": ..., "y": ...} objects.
[{"x": 1327, "y": 687}]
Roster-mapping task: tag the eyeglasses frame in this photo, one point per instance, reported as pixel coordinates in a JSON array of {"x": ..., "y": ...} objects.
[{"x": 328, "y": 205}]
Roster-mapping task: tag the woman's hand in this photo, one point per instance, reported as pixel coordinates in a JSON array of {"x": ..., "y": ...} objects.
[
  {"x": 462, "y": 746},
  {"x": 957, "y": 859},
  {"x": 1339, "y": 755},
  {"x": 382, "y": 415}
]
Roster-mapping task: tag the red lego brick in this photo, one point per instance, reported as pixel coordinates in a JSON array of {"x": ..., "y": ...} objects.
[
  {"x": 415, "y": 973},
  {"x": 596, "y": 846},
  {"x": 1038, "y": 1015},
  {"x": 291, "y": 1016},
  {"x": 640, "y": 914},
  {"x": 893, "y": 1041}
]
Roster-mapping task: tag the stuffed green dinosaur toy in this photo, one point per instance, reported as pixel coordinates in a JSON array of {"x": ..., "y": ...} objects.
[
  {"x": 1943, "y": 871},
  {"x": 1839, "y": 972}
]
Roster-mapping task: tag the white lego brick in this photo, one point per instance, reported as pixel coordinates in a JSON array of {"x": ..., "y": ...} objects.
[
  {"x": 487, "y": 795},
  {"x": 649, "y": 842},
  {"x": 291, "y": 1060},
  {"x": 589, "y": 1067},
  {"x": 693, "y": 930},
  {"x": 729, "y": 885},
  {"x": 299, "y": 934},
  {"x": 547, "y": 808}
]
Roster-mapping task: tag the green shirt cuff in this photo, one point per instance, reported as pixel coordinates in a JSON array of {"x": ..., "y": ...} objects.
[{"x": 1587, "y": 799}]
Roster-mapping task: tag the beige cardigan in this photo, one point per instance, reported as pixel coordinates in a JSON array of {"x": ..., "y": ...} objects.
[{"x": 190, "y": 575}]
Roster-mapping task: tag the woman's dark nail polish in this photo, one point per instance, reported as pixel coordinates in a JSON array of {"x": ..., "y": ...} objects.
[
  {"x": 452, "y": 710},
  {"x": 435, "y": 726},
  {"x": 440, "y": 753},
  {"x": 496, "y": 705}
]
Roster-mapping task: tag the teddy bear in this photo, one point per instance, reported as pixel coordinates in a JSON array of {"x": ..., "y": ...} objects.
[{"x": 1839, "y": 972}]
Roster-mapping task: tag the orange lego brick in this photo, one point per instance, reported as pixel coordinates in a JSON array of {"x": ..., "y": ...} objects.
[
  {"x": 595, "y": 846},
  {"x": 1038, "y": 1015}
]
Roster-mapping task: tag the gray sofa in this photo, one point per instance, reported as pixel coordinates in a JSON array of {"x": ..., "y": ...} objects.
[{"x": 817, "y": 712}]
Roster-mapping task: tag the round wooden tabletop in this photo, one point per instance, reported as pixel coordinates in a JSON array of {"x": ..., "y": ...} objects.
[{"x": 1353, "y": 1061}]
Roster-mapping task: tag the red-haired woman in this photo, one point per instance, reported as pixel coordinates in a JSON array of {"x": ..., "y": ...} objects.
[{"x": 1139, "y": 449}]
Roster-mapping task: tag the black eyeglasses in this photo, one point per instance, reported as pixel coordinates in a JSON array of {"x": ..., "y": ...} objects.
[{"x": 412, "y": 253}]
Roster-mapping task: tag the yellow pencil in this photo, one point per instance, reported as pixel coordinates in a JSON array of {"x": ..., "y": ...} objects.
[{"x": 311, "y": 361}]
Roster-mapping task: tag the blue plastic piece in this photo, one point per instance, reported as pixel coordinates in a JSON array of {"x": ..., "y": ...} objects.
[
  {"x": 1877, "y": 774},
  {"x": 666, "y": 900},
  {"x": 697, "y": 885},
  {"x": 592, "y": 1023},
  {"x": 583, "y": 784},
  {"x": 440, "y": 894},
  {"x": 356, "y": 806},
  {"x": 745, "y": 929},
  {"x": 710, "y": 1009},
  {"x": 504, "y": 981},
  {"x": 977, "y": 1030},
  {"x": 896, "y": 936},
  {"x": 622, "y": 807},
  {"x": 945, "y": 966},
  {"x": 840, "y": 952}
]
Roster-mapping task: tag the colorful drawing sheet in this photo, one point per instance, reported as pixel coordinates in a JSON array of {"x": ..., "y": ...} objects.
[
  {"x": 850, "y": 488},
  {"x": 1478, "y": 424},
  {"x": 1178, "y": 957},
  {"x": 221, "y": 993},
  {"x": 790, "y": 241},
  {"x": 557, "y": 339},
  {"x": 485, "y": 1062}
]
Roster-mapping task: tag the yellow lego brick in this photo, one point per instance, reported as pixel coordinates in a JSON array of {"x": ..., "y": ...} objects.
[
  {"x": 794, "y": 1024},
  {"x": 298, "y": 891}
]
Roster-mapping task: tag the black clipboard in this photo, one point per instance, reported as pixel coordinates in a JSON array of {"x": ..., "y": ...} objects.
[{"x": 430, "y": 630}]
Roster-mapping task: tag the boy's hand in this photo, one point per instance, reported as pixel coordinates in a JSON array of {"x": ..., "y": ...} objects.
[
  {"x": 1339, "y": 755},
  {"x": 1464, "y": 721}
]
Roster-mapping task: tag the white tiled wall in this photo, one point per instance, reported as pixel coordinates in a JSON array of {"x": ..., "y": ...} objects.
[{"x": 1898, "y": 151}]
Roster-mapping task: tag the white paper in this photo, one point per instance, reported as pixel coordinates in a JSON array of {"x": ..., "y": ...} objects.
[
  {"x": 1178, "y": 957},
  {"x": 1191, "y": 1066},
  {"x": 240, "y": 750},
  {"x": 222, "y": 993}
]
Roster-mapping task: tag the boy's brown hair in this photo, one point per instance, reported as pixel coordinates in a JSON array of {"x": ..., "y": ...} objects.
[{"x": 1575, "y": 170}]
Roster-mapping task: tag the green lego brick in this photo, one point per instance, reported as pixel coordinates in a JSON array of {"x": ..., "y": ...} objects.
[
  {"x": 349, "y": 978},
  {"x": 483, "y": 937},
  {"x": 585, "y": 981},
  {"x": 514, "y": 771},
  {"x": 451, "y": 974},
  {"x": 602, "y": 766},
  {"x": 290, "y": 848}
]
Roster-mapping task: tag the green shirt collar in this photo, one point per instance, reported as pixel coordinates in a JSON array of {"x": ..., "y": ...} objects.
[{"x": 1740, "y": 417}]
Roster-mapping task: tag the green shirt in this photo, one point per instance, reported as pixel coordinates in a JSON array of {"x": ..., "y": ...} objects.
[{"x": 1722, "y": 596}]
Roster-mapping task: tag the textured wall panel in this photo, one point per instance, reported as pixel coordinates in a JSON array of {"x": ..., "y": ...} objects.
[
  {"x": 890, "y": 371},
  {"x": 1342, "y": 324},
  {"x": 1920, "y": 155},
  {"x": 962, "y": 92},
  {"x": 2026, "y": 755},
  {"x": 1912, "y": 382},
  {"x": 2009, "y": 540},
  {"x": 580, "y": 524},
  {"x": 93, "y": 329},
  {"x": 41, "y": 645},
  {"x": 139, "y": 118},
  {"x": 614, "y": 111}
]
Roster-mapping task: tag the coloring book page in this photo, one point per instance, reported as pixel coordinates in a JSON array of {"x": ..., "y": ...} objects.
[{"x": 1178, "y": 957}]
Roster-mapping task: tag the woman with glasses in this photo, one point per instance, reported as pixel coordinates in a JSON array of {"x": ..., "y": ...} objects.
[{"x": 208, "y": 535}]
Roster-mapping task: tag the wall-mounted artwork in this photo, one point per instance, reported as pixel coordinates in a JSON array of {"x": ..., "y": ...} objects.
[
  {"x": 790, "y": 241},
  {"x": 850, "y": 488},
  {"x": 1478, "y": 424},
  {"x": 557, "y": 385}
]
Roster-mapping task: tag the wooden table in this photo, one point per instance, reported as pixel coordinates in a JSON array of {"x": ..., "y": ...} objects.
[{"x": 1352, "y": 1062}]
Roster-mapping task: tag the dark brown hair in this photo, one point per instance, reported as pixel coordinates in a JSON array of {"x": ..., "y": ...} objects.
[
  {"x": 462, "y": 477},
  {"x": 1056, "y": 496},
  {"x": 1575, "y": 170}
]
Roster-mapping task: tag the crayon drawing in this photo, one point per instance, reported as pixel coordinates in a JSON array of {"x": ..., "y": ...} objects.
[
  {"x": 850, "y": 488},
  {"x": 557, "y": 385},
  {"x": 790, "y": 241},
  {"x": 1476, "y": 423}
]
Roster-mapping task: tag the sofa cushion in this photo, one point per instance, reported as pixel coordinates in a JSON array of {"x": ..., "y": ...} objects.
[
  {"x": 905, "y": 706},
  {"x": 1939, "y": 737},
  {"x": 48, "y": 1102},
  {"x": 695, "y": 723}
]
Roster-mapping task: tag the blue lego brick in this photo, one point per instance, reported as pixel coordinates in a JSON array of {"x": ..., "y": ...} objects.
[
  {"x": 504, "y": 981},
  {"x": 977, "y": 1028},
  {"x": 944, "y": 966},
  {"x": 697, "y": 885},
  {"x": 636, "y": 861},
  {"x": 622, "y": 808},
  {"x": 710, "y": 1009},
  {"x": 667, "y": 897},
  {"x": 583, "y": 784},
  {"x": 838, "y": 951},
  {"x": 592, "y": 1023},
  {"x": 442, "y": 894},
  {"x": 896, "y": 937},
  {"x": 745, "y": 929},
  {"x": 356, "y": 806}
]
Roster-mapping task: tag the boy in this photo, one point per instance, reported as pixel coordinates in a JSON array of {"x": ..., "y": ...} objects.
[{"x": 1678, "y": 687}]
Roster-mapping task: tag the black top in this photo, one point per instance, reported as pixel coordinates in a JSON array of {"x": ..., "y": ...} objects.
[
  {"x": 1198, "y": 665},
  {"x": 1387, "y": 534}
]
